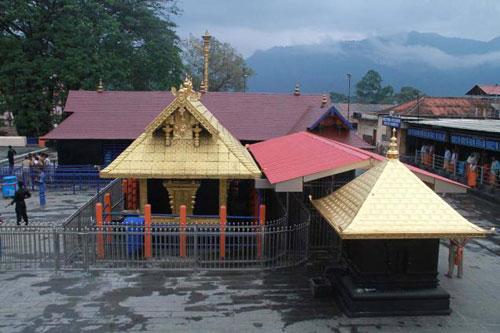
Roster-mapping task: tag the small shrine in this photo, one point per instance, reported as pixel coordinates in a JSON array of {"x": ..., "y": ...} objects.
[
  {"x": 390, "y": 224},
  {"x": 186, "y": 157}
]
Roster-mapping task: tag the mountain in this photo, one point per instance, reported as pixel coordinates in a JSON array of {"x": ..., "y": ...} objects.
[{"x": 435, "y": 64}]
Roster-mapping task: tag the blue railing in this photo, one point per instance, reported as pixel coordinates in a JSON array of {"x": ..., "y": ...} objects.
[{"x": 61, "y": 177}]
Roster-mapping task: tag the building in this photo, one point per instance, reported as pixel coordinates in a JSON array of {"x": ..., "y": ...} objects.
[
  {"x": 427, "y": 108},
  {"x": 492, "y": 90},
  {"x": 101, "y": 124}
]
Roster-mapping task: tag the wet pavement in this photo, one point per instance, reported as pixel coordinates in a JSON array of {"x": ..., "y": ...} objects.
[
  {"x": 278, "y": 301},
  {"x": 59, "y": 205}
]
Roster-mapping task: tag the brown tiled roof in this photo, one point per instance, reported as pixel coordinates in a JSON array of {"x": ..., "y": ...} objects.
[
  {"x": 125, "y": 114},
  {"x": 444, "y": 107}
]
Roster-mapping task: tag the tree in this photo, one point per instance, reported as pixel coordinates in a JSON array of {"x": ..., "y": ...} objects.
[
  {"x": 50, "y": 46},
  {"x": 370, "y": 90},
  {"x": 338, "y": 97},
  {"x": 407, "y": 94},
  {"x": 227, "y": 69}
]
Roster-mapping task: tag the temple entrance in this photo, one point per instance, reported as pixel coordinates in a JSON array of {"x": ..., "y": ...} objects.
[
  {"x": 158, "y": 197},
  {"x": 207, "y": 198}
]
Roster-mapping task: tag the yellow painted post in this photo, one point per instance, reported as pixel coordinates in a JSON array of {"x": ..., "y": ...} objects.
[{"x": 147, "y": 231}]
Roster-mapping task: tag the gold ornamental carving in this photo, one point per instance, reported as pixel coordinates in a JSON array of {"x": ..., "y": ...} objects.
[{"x": 182, "y": 192}]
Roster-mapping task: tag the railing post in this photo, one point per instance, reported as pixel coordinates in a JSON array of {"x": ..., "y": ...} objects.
[
  {"x": 182, "y": 230},
  {"x": 100, "y": 237},
  {"x": 85, "y": 251},
  {"x": 433, "y": 161},
  {"x": 260, "y": 232},
  {"x": 222, "y": 237},
  {"x": 147, "y": 231},
  {"x": 125, "y": 193},
  {"x": 107, "y": 215},
  {"x": 57, "y": 257}
]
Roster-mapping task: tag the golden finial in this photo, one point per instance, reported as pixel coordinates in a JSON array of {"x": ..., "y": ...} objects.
[
  {"x": 296, "y": 91},
  {"x": 206, "y": 48},
  {"x": 324, "y": 100},
  {"x": 186, "y": 89},
  {"x": 393, "y": 153},
  {"x": 100, "y": 87}
]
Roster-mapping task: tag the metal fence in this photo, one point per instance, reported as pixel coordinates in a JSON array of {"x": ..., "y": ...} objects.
[
  {"x": 171, "y": 248},
  {"x": 79, "y": 245},
  {"x": 485, "y": 177},
  {"x": 61, "y": 177}
]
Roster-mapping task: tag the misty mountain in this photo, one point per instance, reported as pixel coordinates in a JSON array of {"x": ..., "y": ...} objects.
[{"x": 433, "y": 63}]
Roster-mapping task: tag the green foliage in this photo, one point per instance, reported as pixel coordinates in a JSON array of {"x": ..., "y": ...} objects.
[
  {"x": 369, "y": 89},
  {"x": 227, "y": 69},
  {"x": 50, "y": 46},
  {"x": 339, "y": 97},
  {"x": 407, "y": 94}
]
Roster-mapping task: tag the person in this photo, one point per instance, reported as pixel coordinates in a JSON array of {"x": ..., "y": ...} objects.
[
  {"x": 423, "y": 154},
  {"x": 453, "y": 161},
  {"x": 456, "y": 257},
  {"x": 495, "y": 171},
  {"x": 446, "y": 160},
  {"x": 21, "y": 194},
  {"x": 471, "y": 170},
  {"x": 10, "y": 155},
  {"x": 26, "y": 164}
]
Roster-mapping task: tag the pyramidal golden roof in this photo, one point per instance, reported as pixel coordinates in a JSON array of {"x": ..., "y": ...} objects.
[
  {"x": 390, "y": 201},
  {"x": 185, "y": 142}
]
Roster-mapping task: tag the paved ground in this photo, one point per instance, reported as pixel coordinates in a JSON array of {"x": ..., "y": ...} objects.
[
  {"x": 59, "y": 206},
  {"x": 249, "y": 302}
]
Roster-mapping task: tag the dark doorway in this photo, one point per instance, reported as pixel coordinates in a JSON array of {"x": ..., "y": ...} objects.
[
  {"x": 207, "y": 198},
  {"x": 158, "y": 197}
]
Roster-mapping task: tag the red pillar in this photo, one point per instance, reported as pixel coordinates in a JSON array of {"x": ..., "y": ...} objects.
[
  {"x": 100, "y": 237},
  {"x": 147, "y": 231},
  {"x": 107, "y": 215},
  {"x": 182, "y": 230},
  {"x": 262, "y": 222},
  {"x": 222, "y": 237}
]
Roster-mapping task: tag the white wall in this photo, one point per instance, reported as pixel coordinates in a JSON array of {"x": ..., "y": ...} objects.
[{"x": 14, "y": 141}]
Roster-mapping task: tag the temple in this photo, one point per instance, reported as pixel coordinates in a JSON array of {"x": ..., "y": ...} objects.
[
  {"x": 185, "y": 157},
  {"x": 390, "y": 223}
]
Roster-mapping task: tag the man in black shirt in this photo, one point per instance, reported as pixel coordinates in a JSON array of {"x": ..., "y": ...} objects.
[
  {"x": 21, "y": 194},
  {"x": 10, "y": 156}
]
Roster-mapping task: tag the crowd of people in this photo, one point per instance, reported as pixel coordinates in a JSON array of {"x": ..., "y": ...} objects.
[
  {"x": 33, "y": 166},
  {"x": 476, "y": 166}
]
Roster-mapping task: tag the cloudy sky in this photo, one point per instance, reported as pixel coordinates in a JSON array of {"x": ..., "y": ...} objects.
[{"x": 250, "y": 25}]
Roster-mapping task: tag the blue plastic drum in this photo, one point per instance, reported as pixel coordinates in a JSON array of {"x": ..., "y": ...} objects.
[
  {"x": 9, "y": 186},
  {"x": 135, "y": 236}
]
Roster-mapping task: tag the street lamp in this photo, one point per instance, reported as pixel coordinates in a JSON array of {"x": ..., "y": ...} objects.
[
  {"x": 349, "y": 97},
  {"x": 245, "y": 75}
]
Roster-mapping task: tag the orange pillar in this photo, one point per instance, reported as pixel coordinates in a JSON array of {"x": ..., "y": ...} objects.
[
  {"x": 125, "y": 193},
  {"x": 107, "y": 215},
  {"x": 182, "y": 230},
  {"x": 147, "y": 231},
  {"x": 262, "y": 222},
  {"x": 223, "y": 222},
  {"x": 100, "y": 237}
]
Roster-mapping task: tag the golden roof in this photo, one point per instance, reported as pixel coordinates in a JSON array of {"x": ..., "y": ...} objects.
[
  {"x": 390, "y": 201},
  {"x": 185, "y": 142}
]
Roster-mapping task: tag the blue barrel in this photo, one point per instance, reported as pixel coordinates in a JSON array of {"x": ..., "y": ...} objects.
[
  {"x": 135, "y": 239},
  {"x": 9, "y": 186}
]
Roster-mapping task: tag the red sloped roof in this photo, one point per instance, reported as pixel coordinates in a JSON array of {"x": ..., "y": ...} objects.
[
  {"x": 348, "y": 137},
  {"x": 301, "y": 154},
  {"x": 443, "y": 107},
  {"x": 490, "y": 89},
  {"x": 125, "y": 114}
]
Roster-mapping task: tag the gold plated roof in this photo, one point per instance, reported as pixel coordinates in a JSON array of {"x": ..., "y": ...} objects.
[
  {"x": 389, "y": 201},
  {"x": 185, "y": 142}
]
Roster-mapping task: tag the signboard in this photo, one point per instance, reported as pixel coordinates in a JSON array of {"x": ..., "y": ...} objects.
[
  {"x": 427, "y": 134},
  {"x": 475, "y": 142},
  {"x": 391, "y": 122}
]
